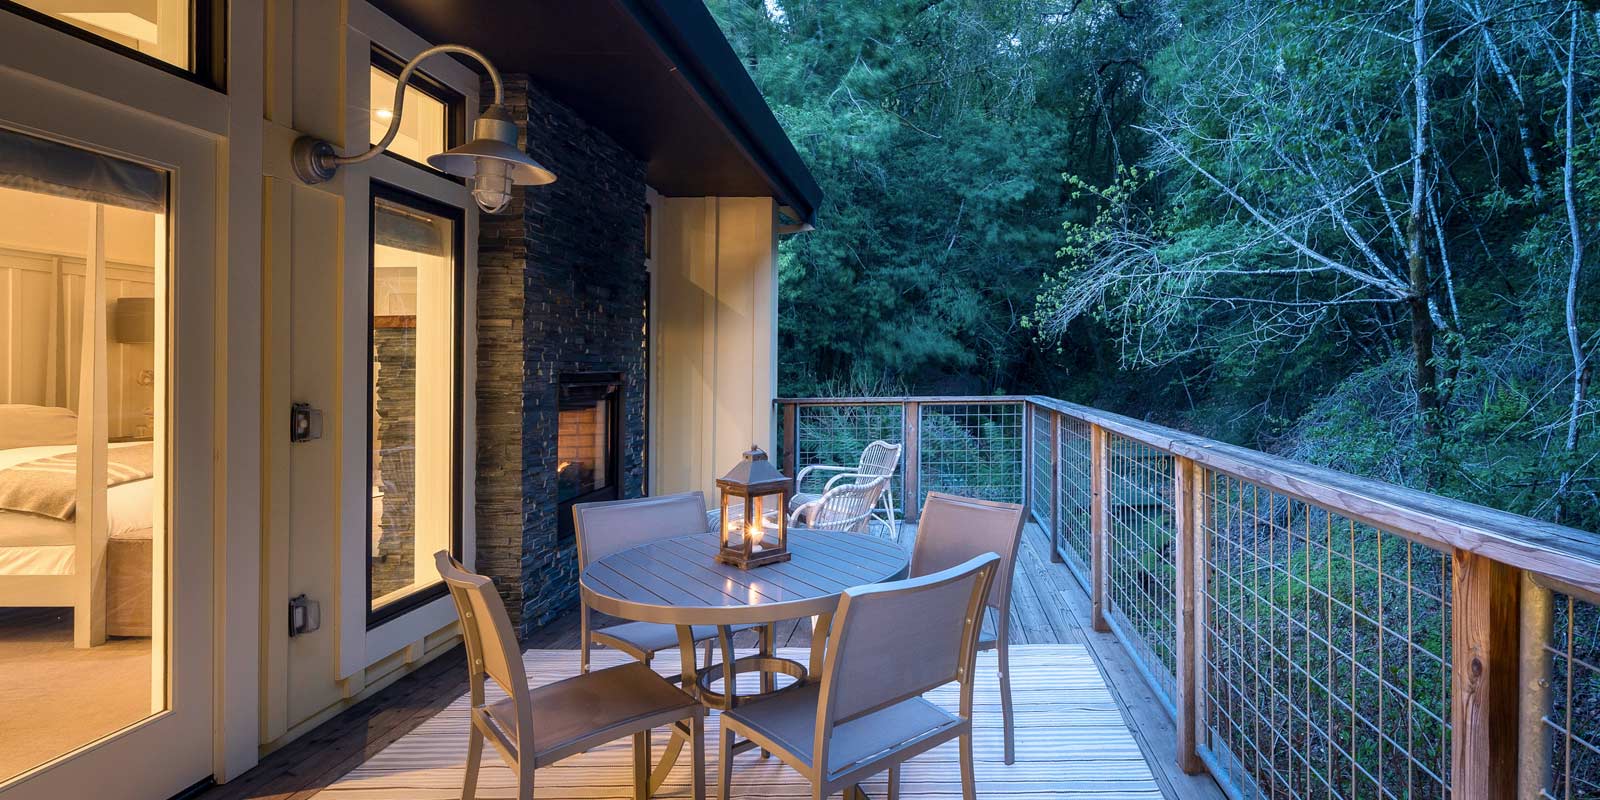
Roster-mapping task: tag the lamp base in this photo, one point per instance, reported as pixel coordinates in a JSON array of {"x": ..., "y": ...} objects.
[
  {"x": 312, "y": 159},
  {"x": 736, "y": 558}
]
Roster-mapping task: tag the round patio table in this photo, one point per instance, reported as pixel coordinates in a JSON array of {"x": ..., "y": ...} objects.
[{"x": 679, "y": 582}]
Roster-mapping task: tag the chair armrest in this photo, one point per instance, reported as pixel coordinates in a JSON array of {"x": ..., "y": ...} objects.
[
  {"x": 834, "y": 481},
  {"x": 799, "y": 479}
]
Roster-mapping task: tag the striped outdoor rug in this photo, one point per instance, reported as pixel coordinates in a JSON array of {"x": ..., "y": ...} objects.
[{"x": 1071, "y": 742}]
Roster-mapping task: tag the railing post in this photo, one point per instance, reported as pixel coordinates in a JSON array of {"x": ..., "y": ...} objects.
[
  {"x": 1098, "y": 503},
  {"x": 1533, "y": 749},
  {"x": 789, "y": 422},
  {"x": 1186, "y": 532},
  {"x": 1055, "y": 488},
  {"x": 1484, "y": 675},
  {"x": 911, "y": 436}
]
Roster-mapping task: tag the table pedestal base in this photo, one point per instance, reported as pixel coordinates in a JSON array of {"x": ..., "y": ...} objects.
[{"x": 766, "y": 665}]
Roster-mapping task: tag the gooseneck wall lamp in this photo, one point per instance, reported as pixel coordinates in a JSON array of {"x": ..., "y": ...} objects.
[{"x": 492, "y": 163}]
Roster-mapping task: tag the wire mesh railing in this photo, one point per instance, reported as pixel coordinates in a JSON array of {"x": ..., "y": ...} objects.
[
  {"x": 836, "y": 435},
  {"x": 971, "y": 449},
  {"x": 1075, "y": 489},
  {"x": 1561, "y": 662},
  {"x": 1141, "y": 568},
  {"x": 1325, "y": 650},
  {"x": 1313, "y": 634},
  {"x": 1041, "y": 449}
]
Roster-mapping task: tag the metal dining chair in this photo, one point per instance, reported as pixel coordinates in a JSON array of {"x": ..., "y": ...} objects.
[
  {"x": 612, "y": 526},
  {"x": 533, "y": 728},
  {"x": 889, "y": 644},
  {"x": 954, "y": 529}
]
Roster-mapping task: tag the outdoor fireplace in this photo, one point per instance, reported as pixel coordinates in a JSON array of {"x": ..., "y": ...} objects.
[{"x": 588, "y": 443}]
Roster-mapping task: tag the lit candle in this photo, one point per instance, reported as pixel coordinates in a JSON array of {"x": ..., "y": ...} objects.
[{"x": 753, "y": 530}]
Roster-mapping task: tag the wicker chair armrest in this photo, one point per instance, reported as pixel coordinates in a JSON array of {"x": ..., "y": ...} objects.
[{"x": 800, "y": 479}]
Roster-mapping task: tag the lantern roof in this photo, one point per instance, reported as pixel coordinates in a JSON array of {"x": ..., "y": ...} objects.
[{"x": 755, "y": 475}]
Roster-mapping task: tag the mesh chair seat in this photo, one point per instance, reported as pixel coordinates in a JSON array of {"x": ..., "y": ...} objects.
[
  {"x": 650, "y": 637},
  {"x": 789, "y": 720},
  {"x": 581, "y": 712}
]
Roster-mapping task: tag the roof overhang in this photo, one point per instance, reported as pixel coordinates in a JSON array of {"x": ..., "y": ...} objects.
[{"x": 656, "y": 75}]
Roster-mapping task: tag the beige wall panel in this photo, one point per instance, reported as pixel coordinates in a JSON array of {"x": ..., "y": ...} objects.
[
  {"x": 714, "y": 330},
  {"x": 314, "y": 466}
]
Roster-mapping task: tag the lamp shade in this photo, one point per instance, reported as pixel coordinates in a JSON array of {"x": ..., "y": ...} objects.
[
  {"x": 494, "y": 139},
  {"x": 133, "y": 320}
]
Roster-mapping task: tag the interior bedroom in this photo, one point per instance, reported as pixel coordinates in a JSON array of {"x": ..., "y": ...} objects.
[{"x": 82, "y": 539}]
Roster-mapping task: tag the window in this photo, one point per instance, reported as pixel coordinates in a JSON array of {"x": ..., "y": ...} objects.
[
  {"x": 83, "y": 534},
  {"x": 180, "y": 35},
  {"x": 430, "y": 120},
  {"x": 414, "y": 425}
]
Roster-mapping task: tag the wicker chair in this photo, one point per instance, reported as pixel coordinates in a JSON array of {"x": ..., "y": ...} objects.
[
  {"x": 848, "y": 506},
  {"x": 878, "y": 459}
]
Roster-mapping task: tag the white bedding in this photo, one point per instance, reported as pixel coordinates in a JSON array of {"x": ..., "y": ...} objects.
[{"x": 31, "y": 544}]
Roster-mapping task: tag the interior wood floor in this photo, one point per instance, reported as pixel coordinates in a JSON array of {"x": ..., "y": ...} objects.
[{"x": 1048, "y": 607}]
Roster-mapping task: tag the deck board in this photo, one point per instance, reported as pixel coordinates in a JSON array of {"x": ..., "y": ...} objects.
[{"x": 1071, "y": 741}]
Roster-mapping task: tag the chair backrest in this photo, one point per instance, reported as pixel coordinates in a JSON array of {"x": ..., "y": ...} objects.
[
  {"x": 954, "y": 529},
  {"x": 615, "y": 525},
  {"x": 492, "y": 648},
  {"x": 846, "y": 507},
  {"x": 880, "y": 458},
  {"x": 893, "y": 641}
]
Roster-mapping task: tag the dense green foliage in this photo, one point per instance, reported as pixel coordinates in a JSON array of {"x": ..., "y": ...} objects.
[{"x": 1349, "y": 232}]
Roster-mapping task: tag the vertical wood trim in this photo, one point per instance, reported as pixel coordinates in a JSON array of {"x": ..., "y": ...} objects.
[
  {"x": 1533, "y": 750},
  {"x": 52, "y": 337},
  {"x": 89, "y": 560},
  {"x": 1484, "y": 703},
  {"x": 1185, "y": 531},
  {"x": 911, "y": 435},
  {"x": 277, "y": 345},
  {"x": 791, "y": 438},
  {"x": 1055, "y": 489},
  {"x": 1097, "y": 528}
]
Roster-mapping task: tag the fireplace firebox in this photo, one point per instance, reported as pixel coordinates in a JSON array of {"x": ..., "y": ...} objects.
[{"x": 588, "y": 443}]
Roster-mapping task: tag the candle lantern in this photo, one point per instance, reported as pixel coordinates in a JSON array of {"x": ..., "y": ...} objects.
[{"x": 750, "y": 491}]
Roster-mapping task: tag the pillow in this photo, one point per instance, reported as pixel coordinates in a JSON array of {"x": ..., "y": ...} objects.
[{"x": 32, "y": 426}]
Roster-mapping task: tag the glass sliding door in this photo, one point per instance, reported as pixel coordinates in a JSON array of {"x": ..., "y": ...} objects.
[
  {"x": 414, "y": 430},
  {"x": 84, "y": 242}
]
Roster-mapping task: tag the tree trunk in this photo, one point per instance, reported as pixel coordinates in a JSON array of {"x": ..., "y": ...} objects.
[
  {"x": 1425, "y": 376},
  {"x": 1580, "y": 357}
]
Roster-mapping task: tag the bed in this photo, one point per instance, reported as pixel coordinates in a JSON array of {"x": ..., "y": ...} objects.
[{"x": 42, "y": 563}]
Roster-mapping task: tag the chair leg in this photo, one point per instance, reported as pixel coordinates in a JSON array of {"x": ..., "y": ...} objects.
[
  {"x": 969, "y": 784},
  {"x": 1003, "y": 661},
  {"x": 725, "y": 764},
  {"x": 583, "y": 640},
  {"x": 525, "y": 778},
  {"x": 469, "y": 785},
  {"x": 769, "y": 638},
  {"x": 641, "y": 765},
  {"x": 894, "y": 782},
  {"x": 697, "y": 728}
]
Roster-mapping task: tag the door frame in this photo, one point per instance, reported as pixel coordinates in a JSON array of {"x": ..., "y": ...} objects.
[{"x": 181, "y": 737}]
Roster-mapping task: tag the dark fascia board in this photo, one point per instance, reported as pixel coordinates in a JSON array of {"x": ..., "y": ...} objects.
[{"x": 690, "y": 39}]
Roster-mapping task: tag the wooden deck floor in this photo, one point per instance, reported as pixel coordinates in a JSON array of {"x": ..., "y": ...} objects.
[{"x": 1048, "y": 608}]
